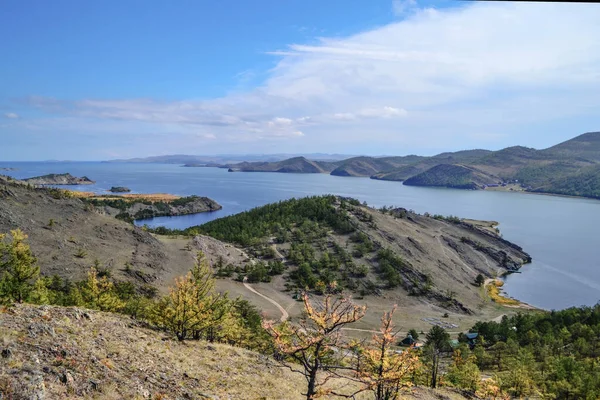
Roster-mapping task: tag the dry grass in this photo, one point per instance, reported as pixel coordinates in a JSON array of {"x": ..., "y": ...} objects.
[
  {"x": 164, "y": 197},
  {"x": 493, "y": 290},
  {"x": 71, "y": 353}
]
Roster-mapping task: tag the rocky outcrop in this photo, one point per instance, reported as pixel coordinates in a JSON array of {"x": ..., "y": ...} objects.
[
  {"x": 130, "y": 209},
  {"x": 59, "y": 179},
  {"x": 53, "y": 352}
]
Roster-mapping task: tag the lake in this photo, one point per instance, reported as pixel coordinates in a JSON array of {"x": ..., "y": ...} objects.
[{"x": 560, "y": 233}]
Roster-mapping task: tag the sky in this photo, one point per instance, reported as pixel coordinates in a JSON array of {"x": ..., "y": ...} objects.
[{"x": 83, "y": 80}]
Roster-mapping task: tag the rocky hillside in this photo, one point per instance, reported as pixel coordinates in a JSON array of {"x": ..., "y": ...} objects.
[
  {"x": 139, "y": 207},
  {"x": 50, "y": 352},
  {"x": 67, "y": 235},
  {"x": 59, "y": 179},
  {"x": 53, "y": 352}
]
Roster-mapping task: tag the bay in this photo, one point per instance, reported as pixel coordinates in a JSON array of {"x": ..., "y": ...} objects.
[{"x": 560, "y": 233}]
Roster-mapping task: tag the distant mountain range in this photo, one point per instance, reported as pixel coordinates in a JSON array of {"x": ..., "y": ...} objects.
[
  {"x": 569, "y": 168},
  {"x": 228, "y": 158}
]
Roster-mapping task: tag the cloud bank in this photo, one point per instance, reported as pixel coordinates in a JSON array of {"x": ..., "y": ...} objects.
[{"x": 475, "y": 76}]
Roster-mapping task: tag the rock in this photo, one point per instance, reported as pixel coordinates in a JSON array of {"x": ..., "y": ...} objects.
[
  {"x": 67, "y": 378},
  {"x": 36, "y": 329},
  {"x": 35, "y": 389},
  {"x": 143, "y": 392},
  {"x": 6, "y": 353}
]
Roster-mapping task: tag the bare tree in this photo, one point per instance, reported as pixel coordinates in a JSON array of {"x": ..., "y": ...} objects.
[{"x": 311, "y": 346}]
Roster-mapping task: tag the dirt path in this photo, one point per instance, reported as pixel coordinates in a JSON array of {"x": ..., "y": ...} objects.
[{"x": 284, "y": 314}]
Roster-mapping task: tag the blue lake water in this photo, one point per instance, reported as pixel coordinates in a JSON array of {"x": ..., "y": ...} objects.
[{"x": 560, "y": 233}]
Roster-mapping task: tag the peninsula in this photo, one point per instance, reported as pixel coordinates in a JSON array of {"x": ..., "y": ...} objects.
[{"x": 59, "y": 179}]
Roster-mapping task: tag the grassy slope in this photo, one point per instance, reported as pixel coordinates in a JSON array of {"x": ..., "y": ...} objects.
[{"x": 59, "y": 228}]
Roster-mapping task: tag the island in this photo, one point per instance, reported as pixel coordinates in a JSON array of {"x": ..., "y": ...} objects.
[
  {"x": 8, "y": 169},
  {"x": 59, "y": 179},
  {"x": 119, "y": 189}
]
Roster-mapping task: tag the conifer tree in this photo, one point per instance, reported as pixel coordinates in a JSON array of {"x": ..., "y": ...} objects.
[
  {"x": 313, "y": 342},
  {"x": 18, "y": 267},
  {"x": 382, "y": 370},
  {"x": 99, "y": 293},
  {"x": 193, "y": 308}
]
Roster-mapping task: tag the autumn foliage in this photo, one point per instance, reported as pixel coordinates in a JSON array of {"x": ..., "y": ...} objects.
[
  {"x": 313, "y": 346},
  {"x": 380, "y": 368}
]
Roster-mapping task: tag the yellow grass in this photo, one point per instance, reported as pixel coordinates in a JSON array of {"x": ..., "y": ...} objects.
[
  {"x": 164, "y": 197},
  {"x": 493, "y": 290}
]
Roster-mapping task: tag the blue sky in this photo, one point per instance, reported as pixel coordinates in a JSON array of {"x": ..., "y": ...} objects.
[{"x": 112, "y": 79}]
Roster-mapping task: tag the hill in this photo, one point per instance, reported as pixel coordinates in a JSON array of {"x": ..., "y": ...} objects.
[
  {"x": 291, "y": 165},
  {"x": 424, "y": 262},
  {"x": 584, "y": 147},
  {"x": 58, "y": 352},
  {"x": 562, "y": 169},
  {"x": 582, "y": 182},
  {"x": 68, "y": 235},
  {"x": 453, "y": 176},
  {"x": 368, "y": 166}
]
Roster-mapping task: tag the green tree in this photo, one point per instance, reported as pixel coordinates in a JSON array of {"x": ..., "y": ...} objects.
[
  {"x": 18, "y": 267},
  {"x": 100, "y": 293},
  {"x": 192, "y": 307},
  {"x": 463, "y": 372},
  {"x": 414, "y": 334},
  {"x": 437, "y": 342},
  {"x": 479, "y": 280}
]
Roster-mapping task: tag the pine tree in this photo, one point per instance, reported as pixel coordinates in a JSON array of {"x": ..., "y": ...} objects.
[
  {"x": 17, "y": 267},
  {"x": 463, "y": 372},
  {"x": 437, "y": 342},
  {"x": 192, "y": 308},
  {"x": 99, "y": 293}
]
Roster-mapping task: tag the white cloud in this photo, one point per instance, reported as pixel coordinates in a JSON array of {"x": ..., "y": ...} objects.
[
  {"x": 344, "y": 116},
  {"x": 383, "y": 112},
  {"x": 401, "y": 7},
  {"x": 11, "y": 115},
  {"x": 433, "y": 78}
]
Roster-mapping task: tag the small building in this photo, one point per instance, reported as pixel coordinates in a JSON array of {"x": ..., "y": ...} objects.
[
  {"x": 472, "y": 338},
  {"x": 408, "y": 341}
]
